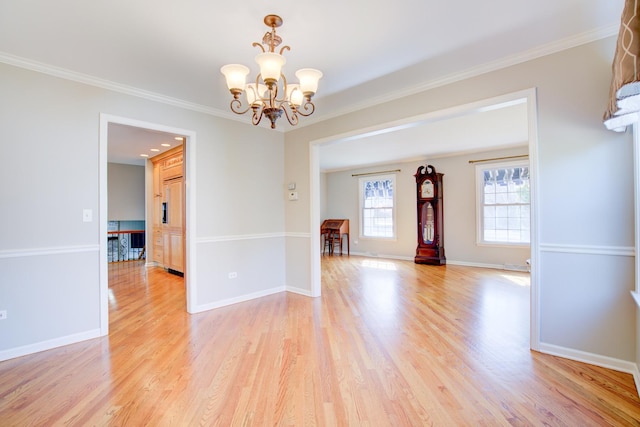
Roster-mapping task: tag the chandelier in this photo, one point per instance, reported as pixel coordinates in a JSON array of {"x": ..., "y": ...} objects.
[{"x": 271, "y": 95}]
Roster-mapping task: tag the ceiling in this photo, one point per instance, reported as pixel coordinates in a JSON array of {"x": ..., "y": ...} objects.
[{"x": 366, "y": 49}]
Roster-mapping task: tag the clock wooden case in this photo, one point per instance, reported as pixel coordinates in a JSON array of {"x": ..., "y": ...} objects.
[{"x": 430, "y": 248}]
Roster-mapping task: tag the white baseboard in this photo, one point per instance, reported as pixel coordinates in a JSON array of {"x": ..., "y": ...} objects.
[
  {"x": 299, "y": 291},
  {"x": 48, "y": 345},
  {"x": 238, "y": 299},
  {"x": 374, "y": 255},
  {"x": 510, "y": 267},
  {"x": 476, "y": 264},
  {"x": 594, "y": 359}
]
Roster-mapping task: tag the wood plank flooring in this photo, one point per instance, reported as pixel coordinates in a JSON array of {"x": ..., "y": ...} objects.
[{"x": 389, "y": 343}]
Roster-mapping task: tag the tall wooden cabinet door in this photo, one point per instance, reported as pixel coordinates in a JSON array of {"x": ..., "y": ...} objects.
[
  {"x": 157, "y": 196},
  {"x": 176, "y": 252},
  {"x": 158, "y": 244},
  {"x": 173, "y": 230},
  {"x": 166, "y": 250},
  {"x": 173, "y": 193},
  {"x": 173, "y": 251}
]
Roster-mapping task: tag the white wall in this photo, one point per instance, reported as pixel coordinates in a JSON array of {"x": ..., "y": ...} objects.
[
  {"x": 126, "y": 192},
  {"x": 50, "y": 132},
  {"x": 459, "y": 183},
  {"x": 585, "y": 194}
]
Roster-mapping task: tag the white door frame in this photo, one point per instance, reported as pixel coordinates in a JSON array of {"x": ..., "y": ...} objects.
[
  {"x": 190, "y": 181},
  {"x": 529, "y": 95}
]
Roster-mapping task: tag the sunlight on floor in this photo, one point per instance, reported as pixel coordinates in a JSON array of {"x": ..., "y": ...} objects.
[
  {"x": 380, "y": 265},
  {"x": 112, "y": 299},
  {"x": 517, "y": 279}
]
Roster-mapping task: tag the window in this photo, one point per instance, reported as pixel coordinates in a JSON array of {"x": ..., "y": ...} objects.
[
  {"x": 377, "y": 213},
  {"x": 503, "y": 203}
]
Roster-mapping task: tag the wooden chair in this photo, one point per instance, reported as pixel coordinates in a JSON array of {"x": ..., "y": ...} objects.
[{"x": 331, "y": 240}]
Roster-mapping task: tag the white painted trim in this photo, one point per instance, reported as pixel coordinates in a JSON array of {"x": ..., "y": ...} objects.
[
  {"x": 214, "y": 239},
  {"x": 484, "y": 265},
  {"x": 314, "y": 252},
  {"x": 87, "y": 79},
  {"x": 636, "y": 297},
  {"x": 508, "y": 61},
  {"x": 18, "y": 253},
  {"x": 588, "y": 249},
  {"x": 49, "y": 344},
  {"x": 190, "y": 222},
  {"x": 103, "y": 220},
  {"x": 534, "y": 197},
  {"x": 530, "y": 95},
  {"x": 298, "y": 235},
  {"x": 449, "y": 262},
  {"x": 479, "y": 178},
  {"x": 499, "y": 64},
  {"x": 190, "y": 190},
  {"x": 636, "y": 204},
  {"x": 238, "y": 299},
  {"x": 299, "y": 291},
  {"x": 384, "y": 256},
  {"x": 593, "y": 359}
]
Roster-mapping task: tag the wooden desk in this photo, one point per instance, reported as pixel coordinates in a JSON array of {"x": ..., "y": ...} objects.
[{"x": 339, "y": 227}]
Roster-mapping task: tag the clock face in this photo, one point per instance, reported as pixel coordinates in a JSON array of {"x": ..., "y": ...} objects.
[{"x": 426, "y": 190}]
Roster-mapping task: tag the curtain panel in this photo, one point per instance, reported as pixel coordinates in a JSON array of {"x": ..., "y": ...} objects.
[{"x": 624, "y": 93}]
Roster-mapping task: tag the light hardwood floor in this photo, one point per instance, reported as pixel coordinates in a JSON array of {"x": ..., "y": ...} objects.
[{"x": 389, "y": 343}]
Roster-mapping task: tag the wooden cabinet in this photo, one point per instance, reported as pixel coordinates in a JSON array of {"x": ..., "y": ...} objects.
[
  {"x": 172, "y": 223},
  {"x": 156, "y": 238},
  {"x": 168, "y": 210}
]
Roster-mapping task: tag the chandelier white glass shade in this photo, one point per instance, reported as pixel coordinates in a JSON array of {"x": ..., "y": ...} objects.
[{"x": 270, "y": 95}]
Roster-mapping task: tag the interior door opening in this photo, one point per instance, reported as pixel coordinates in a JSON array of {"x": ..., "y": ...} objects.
[{"x": 186, "y": 241}]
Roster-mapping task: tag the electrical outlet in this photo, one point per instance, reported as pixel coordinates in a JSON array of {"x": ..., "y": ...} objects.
[
  {"x": 3, "y": 314},
  {"x": 233, "y": 275}
]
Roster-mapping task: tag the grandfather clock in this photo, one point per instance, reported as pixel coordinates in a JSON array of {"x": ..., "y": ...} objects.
[{"x": 430, "y": 248}]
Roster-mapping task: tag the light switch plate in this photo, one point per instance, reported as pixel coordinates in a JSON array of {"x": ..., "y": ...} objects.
[{"x": 87, "y": 215}]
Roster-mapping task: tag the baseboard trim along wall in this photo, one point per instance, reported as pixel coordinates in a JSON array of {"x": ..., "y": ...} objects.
[
  {"x": 48, "y": 345},
  {"x": 594, "y": 359},
  {"x": 238, "y": 299},
  {"x": 509, "y": 267}
]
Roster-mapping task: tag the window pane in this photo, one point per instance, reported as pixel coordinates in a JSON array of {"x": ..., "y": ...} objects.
[
  {"x": 505, "y": 204},
  {"x": 502, "y": 211},
  {"x": 513, "y": 211},
  {"x": 377, "y": 207}
]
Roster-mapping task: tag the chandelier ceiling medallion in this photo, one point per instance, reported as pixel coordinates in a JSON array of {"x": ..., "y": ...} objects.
[{"x": 271, "y": 95}]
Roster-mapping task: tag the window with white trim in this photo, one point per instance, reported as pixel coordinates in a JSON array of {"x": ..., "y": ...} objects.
[
  {"x": 503, "y": 211},
  {"x": 377, "y": 206}
]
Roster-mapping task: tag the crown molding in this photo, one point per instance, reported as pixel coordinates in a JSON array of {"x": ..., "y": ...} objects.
[
  {"x": 87, "y": 79},
  {"x": 531, "y": 54}
]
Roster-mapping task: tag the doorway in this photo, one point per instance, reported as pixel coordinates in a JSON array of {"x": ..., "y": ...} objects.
[
  {"x": 189, "y": 144},
  {"x": 526, "y": 96}
]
